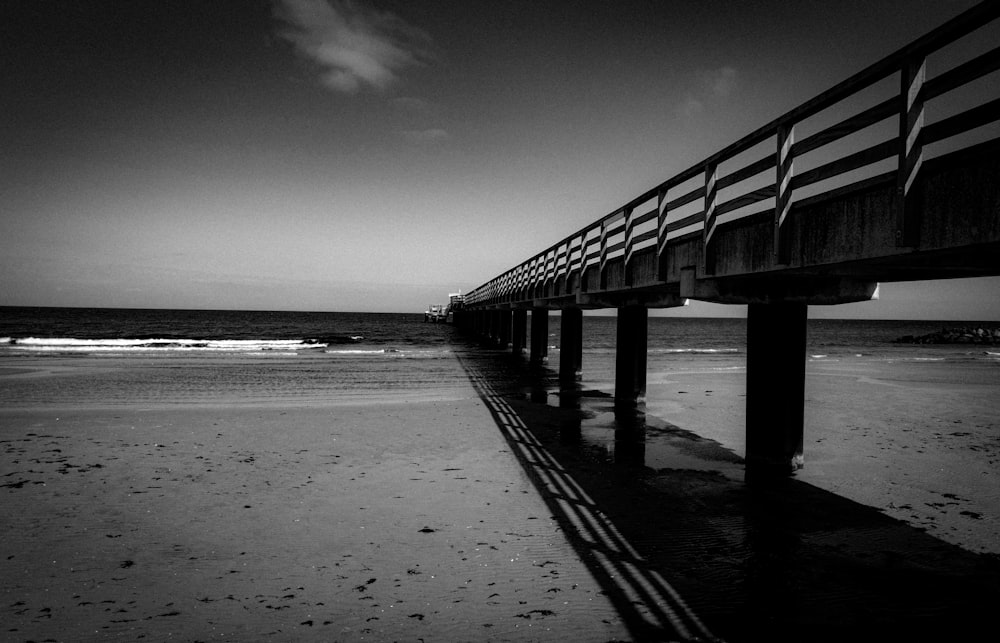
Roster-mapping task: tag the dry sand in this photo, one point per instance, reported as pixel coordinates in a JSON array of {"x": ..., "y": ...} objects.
[{"x": 381, "y": 522}]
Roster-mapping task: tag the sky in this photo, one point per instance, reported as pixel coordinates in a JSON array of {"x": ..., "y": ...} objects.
[{"x": 376, "y": 155}]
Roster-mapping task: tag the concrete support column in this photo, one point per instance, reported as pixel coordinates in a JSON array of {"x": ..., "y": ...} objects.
[
  {"x": 571, "y": 345},
  {"x": 539, "y": 335},
  {"x": 505, "y": 328},
  {"x": 519, "y": 332},
  {"x": 776, "y": 375},
  {"x": 494, "y": 334},
  {"x": 630, "y": 357}
]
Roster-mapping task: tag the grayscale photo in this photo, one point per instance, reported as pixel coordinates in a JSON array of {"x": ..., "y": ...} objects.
[{"x": 499, "y": 321}]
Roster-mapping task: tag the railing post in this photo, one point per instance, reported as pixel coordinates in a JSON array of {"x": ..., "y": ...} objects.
[
  {"x": 539, "y": 288},
  {"x": 550, "y": 271},
  {"x": 911, "y": 152},
  {"x": 783, "y": 195},
  {"x": 532, "y": 274},
  {"x": 629, "y": 212},
  {"x": 604, "y": 254},
  {"x": 584, "y": 261},
  {"x": 661, "y": 235},
  {"x": 708, "y": 254},
  {"x": 562, "y": 268},
  {"x": 572, "y": 265}
]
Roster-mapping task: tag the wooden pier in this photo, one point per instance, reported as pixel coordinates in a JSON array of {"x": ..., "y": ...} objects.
[{"x": 780, "y": 222}]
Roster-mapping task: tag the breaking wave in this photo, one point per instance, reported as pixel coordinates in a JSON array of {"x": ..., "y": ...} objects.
[
  {"x": 695, "y": 351},
  {"x": 74, "y": 345}
]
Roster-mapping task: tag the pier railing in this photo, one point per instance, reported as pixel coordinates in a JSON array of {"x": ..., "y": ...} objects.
[{"x": 770, "y": 170}]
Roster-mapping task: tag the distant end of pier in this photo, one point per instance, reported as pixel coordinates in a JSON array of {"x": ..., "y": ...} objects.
[{"x": 445, "y": 313}]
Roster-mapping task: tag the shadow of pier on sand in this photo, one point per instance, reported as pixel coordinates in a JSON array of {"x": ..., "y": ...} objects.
[{"x": 686, "y": 551}]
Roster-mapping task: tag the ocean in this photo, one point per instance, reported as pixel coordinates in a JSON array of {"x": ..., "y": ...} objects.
[
  {"x": 271, "y": 356},
  {"x": 166, "y": 357},
  {"x": 92, "y": 331}
]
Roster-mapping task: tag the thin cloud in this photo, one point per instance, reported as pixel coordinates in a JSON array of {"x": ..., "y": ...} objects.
[
  {"x": 712, "y": 85},
  {"x": 426, "y": 135},
  {"x": 356, "y": 46},
  {"x": 413, "y": 104},
  {"x": 690, "y": 106},
  {"x": 719, "y": 82}
]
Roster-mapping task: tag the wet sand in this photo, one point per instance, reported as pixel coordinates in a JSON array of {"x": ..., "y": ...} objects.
[
  {"x": 375, "y": 522},
  {"x": 791, "y": 561},
  {"x": 917, "y": 440}
]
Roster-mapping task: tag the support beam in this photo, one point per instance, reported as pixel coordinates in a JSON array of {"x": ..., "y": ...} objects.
[
  {"x": 630, "y": 357},
  {"x": 813, "y": 290},
  {"x": 571, "y": 345},
  {"x": 519, "y": 334},
  {"x": 539, "y": 335},
  {"x": 645, "y": 298},
  {"x": 776, "y": 373}
]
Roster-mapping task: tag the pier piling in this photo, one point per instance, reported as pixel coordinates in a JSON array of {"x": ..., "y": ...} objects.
[
  {"x": 505, "y": 328},
  {"x": 491, "y": 327},
  {"x": 776, "y": 372},
  {"x": 519, "y": 334},
  {"x": 630, "y": 357},
  {"x": 539, "y": 335},
  {"x": 571, "y": 345}
]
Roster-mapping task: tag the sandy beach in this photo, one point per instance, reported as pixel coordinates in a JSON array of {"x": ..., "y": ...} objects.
[
  {"x": 918, "y": 440},
  {"x": 479, "y": 502},
  {"x": 301, "y": 522}
]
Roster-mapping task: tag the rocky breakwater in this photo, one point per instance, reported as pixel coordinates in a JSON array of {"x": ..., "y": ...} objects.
[{"x": 978, "y": 335}]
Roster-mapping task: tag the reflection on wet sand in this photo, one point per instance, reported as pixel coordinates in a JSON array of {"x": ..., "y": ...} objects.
[
  {"x": 649, "y": 606},
  {"x": 685, "y": 550}
]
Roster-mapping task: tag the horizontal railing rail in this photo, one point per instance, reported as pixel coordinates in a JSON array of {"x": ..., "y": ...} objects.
[{"x": 617, "y": 235}]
